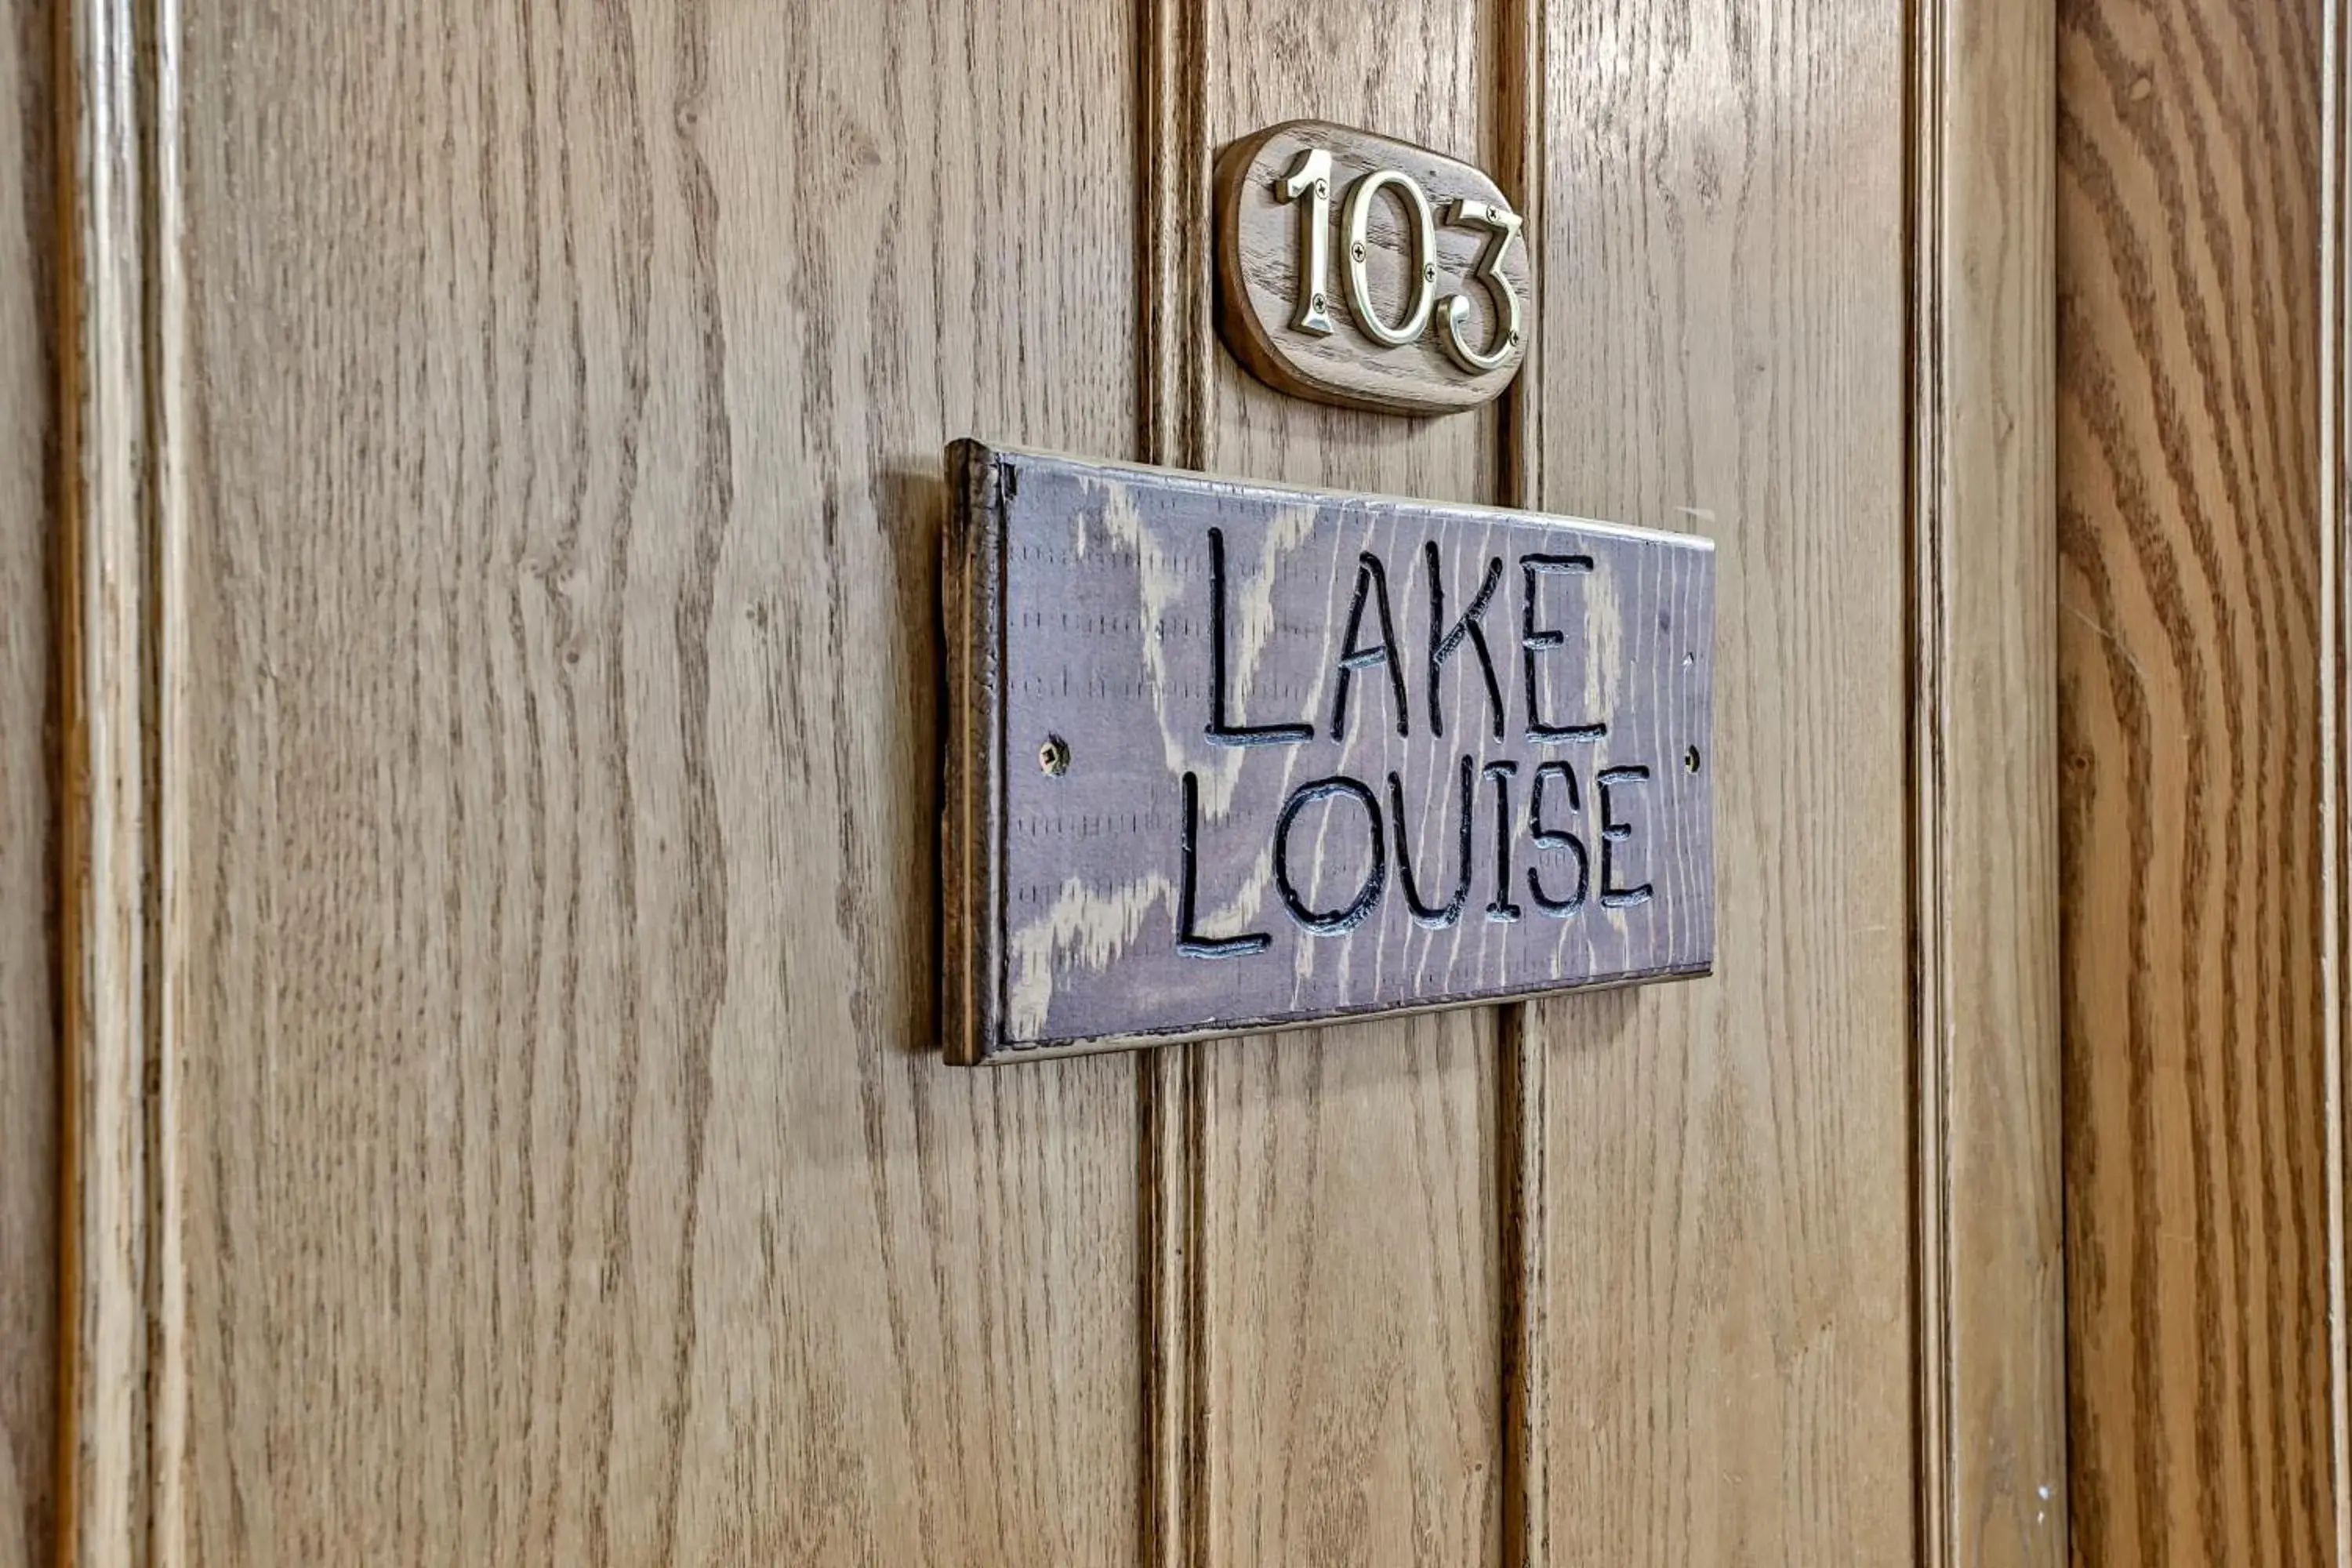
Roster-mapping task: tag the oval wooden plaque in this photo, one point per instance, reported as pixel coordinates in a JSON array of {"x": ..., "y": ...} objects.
[{"x": 1364, "y": 271}]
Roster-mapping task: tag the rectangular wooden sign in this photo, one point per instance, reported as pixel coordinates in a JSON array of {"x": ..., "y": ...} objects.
[{"x": 1228, "y": 756}]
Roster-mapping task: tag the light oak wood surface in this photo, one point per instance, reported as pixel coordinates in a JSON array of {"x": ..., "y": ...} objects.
[
  {"x": 29, "y": 1153},
  {"x": 106, "y": 614},
  {"x": 1731, "y": 1331},
  {"x": 568, "y": 1172},
  {"x": 1986, "y": 1110},
  {"x": 540, "y": 1119},
  {"x": 2198, "y": 1124},
  {"x": 1352, "y": 1292}
]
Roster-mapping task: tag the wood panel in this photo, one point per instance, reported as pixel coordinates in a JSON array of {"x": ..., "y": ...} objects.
[
  {"x": 28, "y": 1082},
  {"x": 2196, "y": 1138},
  {"x": 1730, "y": 1334},
  {"x": 564, "y": 1169},
  {"x": 102, "y": 786},
  {"x": 1350, "y": 1277},
  {"x": 1987, "y": 1114},
  {"x": 551, "y": 1156}
]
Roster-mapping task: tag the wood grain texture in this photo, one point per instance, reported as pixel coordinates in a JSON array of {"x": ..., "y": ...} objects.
[
  {"x": 1984, "y": 778},
  {"x": 2335, "y": 744},
  {"x": 1262, "y": 266},
  {"x": 1235, "y": 756},
  {"x": 1177, "y": 372},
  {"x": 565, "y": 1171},
  {"x": 103, "y": 787},
  {"x": 29, "y": 1152},
  {"x": 550, "y": 1158},
  {"x": 2196, "y": 1134},
  {"x": 1350, "y": 1303},
  {"x": 1730, "y": 1325},
  {"x": 1519, "y": 144}
]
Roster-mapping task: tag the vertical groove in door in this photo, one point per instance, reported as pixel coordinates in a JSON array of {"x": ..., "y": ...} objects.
[
  {"x": 167, "y": 675},
  {"x": 30, "y": 1066},
  {"x": 1518, "y": 142},
  {"x": 1173, "y": 408},
  {"x": 1174, "y": 395},
  {"x": 1173, "y": 1471},
  {"x": 1930, "y": 1000},
  {"x": 1526, "y": 1179}
]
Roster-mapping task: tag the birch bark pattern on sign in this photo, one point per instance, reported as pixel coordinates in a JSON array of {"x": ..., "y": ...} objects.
[{"x": 1230, "y": 757}]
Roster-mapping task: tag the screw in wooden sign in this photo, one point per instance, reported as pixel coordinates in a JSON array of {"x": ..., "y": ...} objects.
[
  {"x": 1226, "y": 757},
  {"x": 1430, "y": 268}
]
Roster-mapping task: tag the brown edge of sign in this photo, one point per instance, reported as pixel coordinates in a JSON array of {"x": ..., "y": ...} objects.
[
  {"x": 1247, "y": 335},
  {"x": 972, "y": 579}
]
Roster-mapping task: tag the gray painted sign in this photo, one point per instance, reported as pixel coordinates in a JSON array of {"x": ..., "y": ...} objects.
[{"x": 1228, "y": 756}]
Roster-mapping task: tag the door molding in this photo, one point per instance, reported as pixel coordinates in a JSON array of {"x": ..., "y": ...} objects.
[
  {"x": 1988, "y": 1249},
  {"x": 115, "y": 133}
]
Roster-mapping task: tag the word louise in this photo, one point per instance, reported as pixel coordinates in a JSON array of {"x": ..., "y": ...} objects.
[{"x": 1562, "y": 873}]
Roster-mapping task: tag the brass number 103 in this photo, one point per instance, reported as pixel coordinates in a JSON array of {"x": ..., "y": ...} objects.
[
  {"x": 1360, "y": 270},
  {"x": 1307, "y": 183}
]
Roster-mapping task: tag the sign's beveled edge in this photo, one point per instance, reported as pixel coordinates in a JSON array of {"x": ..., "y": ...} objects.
[
  {"x": 972, "y": 789},
  {"x": 1223, "y": 485},
  {"x": 983, "y": 480},
  {"x": 1244, "y": 332},
  {"x": 1095, "y": 1044}
]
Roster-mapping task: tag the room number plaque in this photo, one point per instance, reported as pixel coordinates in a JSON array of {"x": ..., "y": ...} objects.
[
  {"x": 1360, "y": 270},
  {"x": 1225, "y": 756}
]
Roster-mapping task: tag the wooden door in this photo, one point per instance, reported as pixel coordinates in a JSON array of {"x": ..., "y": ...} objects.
[{"x": 504, "y": 498}]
